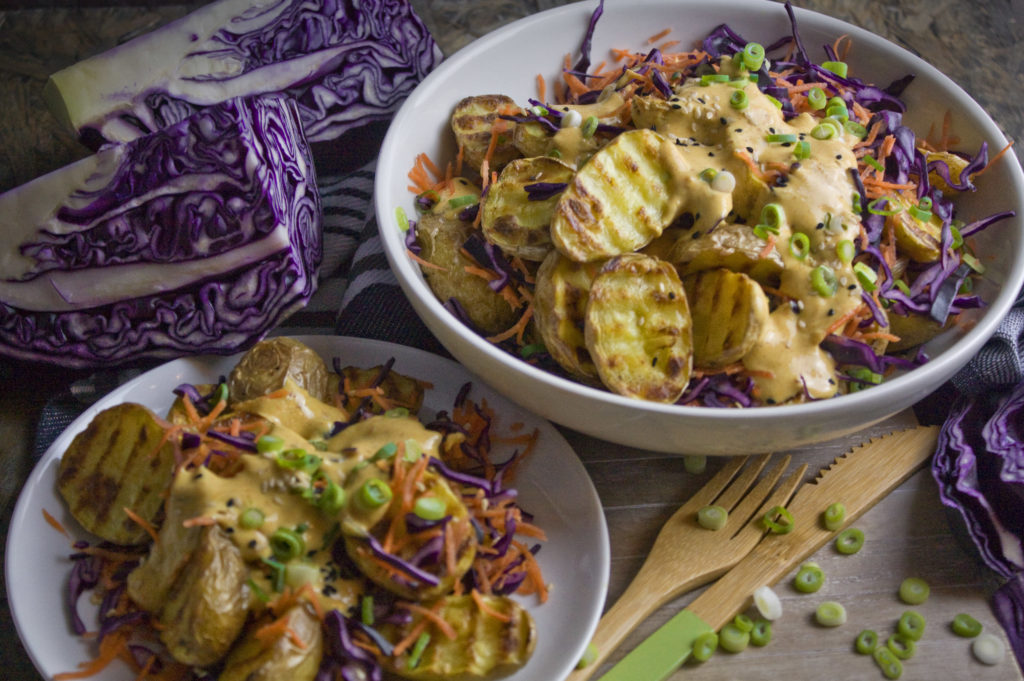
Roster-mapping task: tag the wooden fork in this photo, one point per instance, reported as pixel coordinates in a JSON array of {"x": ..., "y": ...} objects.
[{"x": 686, "y": 555}]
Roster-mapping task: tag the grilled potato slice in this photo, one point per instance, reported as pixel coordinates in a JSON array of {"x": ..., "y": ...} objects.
[
  {"x": 620, "y": 200},
  {"x": 638, "y": 328},
  {"x": 514, "y": 222},
  {"x": 483, "y": 644},
  {"x": 441, "y": 239},
  {"x": 119, "y": 461},
  {"x": 254, "y": 660},
  {"x": 559, "y": 309},
  {"x": 207, "y": 608},
  {"x": 532, "y": 139},
  {"x": 472, "y": 122},
  {"x": 729, "y": 310},
  {"x": 920, "y": 241},
  {"x": 734, "y": 247}
]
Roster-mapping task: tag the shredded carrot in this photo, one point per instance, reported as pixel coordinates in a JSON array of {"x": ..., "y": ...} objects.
[
  {"x": 410, "y": 638},
  {"x": 995, "y": 158},
  {"x": 432, "y": 615},
  {"x": 659, "y": 35},
  {"x": 55, "y": 524},
  {"x": 190, "y": 410},
  {"x": 769, "y": 246},
  {"x": 516, "y": 329},
  {"x": 111, "y": 647},
  {"x": 488, "y": 610},
  {"x": 425, "y": 263},
  {"x": 143, "y": 523},
  {"x": 198, "y": 521}
]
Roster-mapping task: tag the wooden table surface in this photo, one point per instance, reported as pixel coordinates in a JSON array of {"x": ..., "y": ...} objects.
[{"x": 977, "y": 44}]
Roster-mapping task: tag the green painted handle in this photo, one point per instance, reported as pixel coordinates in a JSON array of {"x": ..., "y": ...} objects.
[{"x": 662, "y": 652}]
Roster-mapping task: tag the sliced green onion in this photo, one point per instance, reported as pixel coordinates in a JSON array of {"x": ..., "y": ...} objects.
[
  {"x": 374, "y": 493},
  {"x": 251, "y": 518},
  {"x": 366, "y": 610},
  {"x": 589, "y": 126},
  {"x": 966, "y": 626},
  {"x": 590, "y": 656},
  {"x": 773, "y": 215},
  {"x": 733, "y": 639},
  {"x": 834, "y": 516},
  {"x": 269, "y": 443},
  {"x": 724, "y": 181},
  {"x": 901, "y": 646},
  {"x": 914, "y": 591},
  {"x": 397, "y": 413},
  {"x": 863, "y": 376},
  {"x": 911, "y": 624},
  {"x": 837, "y": 109},
  {"x": 417, "y": 650},
  {"x": 258, "y": 591},
  {"x": 827, "y": 129},
  {"x": 276, "y": 573},
  {"x": 809, "y": 578},
  {"x": 332, "y": 499},
  {"x": 761, "y": 634},
  {"x": 762, "y": 231},
  {"x": 712, "y": 517},
  {"x": 867, "y": 277},
  {"x": 743, "y": 622},
  {"x": 918, "y": 214},
  {"x": 413, "y": 450},
  {"x": 538, "y": 110},
  {"x": 460, "y": 201},
  {"x": 846, "y": 250},
  {"x": 830, "y": 614},
  {"x": 429, "y": 508},
  {"x": 866, "y": 642},
  {"x": 890, "y": 665},
  {"x": 816, "y": 98},
  {"x": 873, "y": 162},
  {"x": 705, "y": 646},
  {"x": 695, "y": 463},
  {"x": 876, "y": 206},
  {"x": 850, "y": 541},
  {"x": 840, "y": 68},
  {"x": 778, "y": 520},
  {"x": 780, "y": 138},
  {"x": 287, "y": 544},
  {"x": 530, "y": 350},
  {"x": 709, "y": 78},
  {"x": 776, "y": 103},
  {"x": 799, "y": 245},
  {"x": 856, "y": 129},
  {"x": 753, "y": 56},
  {"x": 708, "y": 174},
  {"x": 988, "y": 649},
  {"x": 298, "y": 459},
  {"x": 739, "y": 100},
  {"x": 767, "y": 603},
  {"x": 802, "y": 150},
  {"x": 973, "y": 263},
  {"x": 958, "y": 238},
  {"x": 386, "y": 451},
  {"x": 823, "y": 280},
  {"x": 902, "y": 285},
  {"x": 402, "y": 218}
]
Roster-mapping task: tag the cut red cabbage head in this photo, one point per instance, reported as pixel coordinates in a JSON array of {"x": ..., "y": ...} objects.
[
  {"x": 195, "y": 239},
  {"x": 347, "y": 64}
]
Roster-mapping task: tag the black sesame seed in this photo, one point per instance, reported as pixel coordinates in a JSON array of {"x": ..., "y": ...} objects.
[{"x": 252, "y": 543}]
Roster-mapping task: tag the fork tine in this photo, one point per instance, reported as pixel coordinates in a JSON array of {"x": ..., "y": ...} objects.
[
  {"x": 713, "y": 487},
  {"x": 779, "y": 497},
  {"x": 746, "y": 507},
  {"x": 736, "y": 491}
]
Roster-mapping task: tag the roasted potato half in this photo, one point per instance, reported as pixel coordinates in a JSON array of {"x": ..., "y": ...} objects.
[
  {"x": 560, "y": 294},
  {"x": 253, "y": 659},
  {"x": 729, "y": 310},
  {"x": 207, "y": 608},
  {"x": 121, "y": 460},
  {"x": 395, "y": 387},
  {"x": 483, "y": 644},
  {"x": 734, "y": 247},
  {"x": 620, "y": 200},
  {"x": 441, "y": 239},
  {"x": 473, "y": 122},
  {"x": 266, "y": 366},
  {"x": 638, "y": 328},
  {"x": 920, "y": 240},
  {"x": 913, "y": 330},
  {"x": 512, "y": 219}
]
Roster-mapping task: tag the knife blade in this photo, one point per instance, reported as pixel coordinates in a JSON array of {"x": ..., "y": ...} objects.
[{"x": 857, "y": 479}]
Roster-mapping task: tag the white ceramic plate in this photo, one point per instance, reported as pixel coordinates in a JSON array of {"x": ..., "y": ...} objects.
[
  {"x": 508, "y": 60},
  {"x": 552, "y": 484}
]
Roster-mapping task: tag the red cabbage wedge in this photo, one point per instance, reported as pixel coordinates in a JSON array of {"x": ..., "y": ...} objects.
[
  {"x": 195, "y": 239},
  {"x": 347, "y": 64}
]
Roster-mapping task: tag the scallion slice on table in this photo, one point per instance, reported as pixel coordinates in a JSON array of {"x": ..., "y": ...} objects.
[
  {"x": 809, "y": 578},
  {"x": 914, "y": 591},
  {"x": 830, "y": 614},
  {"x": 966, "y": 626},
  {"x": 850, "y": 541},
  {"x": 911, "y": 624}
]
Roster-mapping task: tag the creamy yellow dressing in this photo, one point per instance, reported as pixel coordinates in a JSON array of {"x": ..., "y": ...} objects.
[
  {"x": 816, "y": 197},
  {"x": 276, "y": 491}
]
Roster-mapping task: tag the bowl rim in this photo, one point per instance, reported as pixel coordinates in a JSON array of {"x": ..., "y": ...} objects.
[{"x": 945, "y": 363}]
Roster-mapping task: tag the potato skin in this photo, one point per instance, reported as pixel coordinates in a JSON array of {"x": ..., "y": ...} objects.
[
  {"x": 560, "y": 305},
  {"x": 728, "y": 309},
  {"x": 251, "y": 660},
  {"x": 472, "y": 121},
  {"x": 441, "y": 239},
  {"x": 119, "y": 461},
  {"x": 264, "y": 368}
]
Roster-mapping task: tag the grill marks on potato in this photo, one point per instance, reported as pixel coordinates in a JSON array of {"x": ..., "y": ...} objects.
[
  {"x": 638, "y": 328},
  {"x": 620, "y": 200},
  {"x": 729, "y": 310},
  {"x": 119, "y": 461},
  {"x": 472, "y": 122},
  {"x": 560, "y": 296}
]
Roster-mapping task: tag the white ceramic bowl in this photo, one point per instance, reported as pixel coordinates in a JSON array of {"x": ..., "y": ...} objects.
[{"x": 508, "y": 60}]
